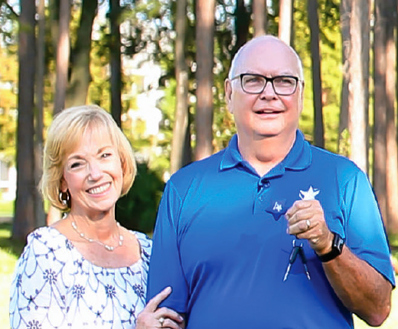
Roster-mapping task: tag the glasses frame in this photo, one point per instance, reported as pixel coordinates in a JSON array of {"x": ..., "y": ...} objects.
[{"x": 242, "y": 75}]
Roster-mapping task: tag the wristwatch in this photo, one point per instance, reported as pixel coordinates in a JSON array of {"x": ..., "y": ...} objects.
[{"x": 337, "y": 248}]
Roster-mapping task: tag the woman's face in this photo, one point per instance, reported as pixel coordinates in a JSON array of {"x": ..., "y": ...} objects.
[{"x": 93, "y": 174}]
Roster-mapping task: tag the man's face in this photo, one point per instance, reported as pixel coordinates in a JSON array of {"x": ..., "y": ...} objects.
[{"x": 266, "y": 114}]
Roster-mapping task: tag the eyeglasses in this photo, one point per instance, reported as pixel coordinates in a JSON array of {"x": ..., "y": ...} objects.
[{"x": 283, "y": 85}]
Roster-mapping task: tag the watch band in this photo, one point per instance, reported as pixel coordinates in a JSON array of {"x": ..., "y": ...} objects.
[{"x": 337, "y": 248}]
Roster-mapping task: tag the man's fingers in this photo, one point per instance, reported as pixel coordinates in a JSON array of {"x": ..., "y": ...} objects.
[
  {"x": 155, "y": 301},
  {"x": 297, "y": 206}
]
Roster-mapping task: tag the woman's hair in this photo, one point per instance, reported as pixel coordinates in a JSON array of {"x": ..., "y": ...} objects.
[{"x": 65, "y": 134}]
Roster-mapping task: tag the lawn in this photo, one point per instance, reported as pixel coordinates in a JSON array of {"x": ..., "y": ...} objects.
[{"x": 9, "y": 252}]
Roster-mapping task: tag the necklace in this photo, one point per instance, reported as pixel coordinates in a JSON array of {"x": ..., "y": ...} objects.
[{"x": 106, "y": 246}]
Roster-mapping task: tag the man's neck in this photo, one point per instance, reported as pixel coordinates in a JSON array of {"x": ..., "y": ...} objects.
[{"x": 265, "y": 153}]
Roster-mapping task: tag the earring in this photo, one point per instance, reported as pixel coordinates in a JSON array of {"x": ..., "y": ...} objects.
[{"x": 64, "y": 198}]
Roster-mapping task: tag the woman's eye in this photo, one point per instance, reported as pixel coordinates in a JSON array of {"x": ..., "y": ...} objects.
[
  {"x": 106, "y": 155},
  {"x": 75, "y": 165}
]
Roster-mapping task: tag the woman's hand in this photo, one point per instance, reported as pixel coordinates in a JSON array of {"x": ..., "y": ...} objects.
[{"x": 154, "y": 317}]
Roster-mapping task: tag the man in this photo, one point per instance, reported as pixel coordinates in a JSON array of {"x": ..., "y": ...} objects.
[{"x": 228, "y": 225}]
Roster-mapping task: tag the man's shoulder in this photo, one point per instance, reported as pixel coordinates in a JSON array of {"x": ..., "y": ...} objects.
[
  {"x": 324, "y": 157},
  {"x": 199, "y": 167},
  {"x": 196, "y": 173}
]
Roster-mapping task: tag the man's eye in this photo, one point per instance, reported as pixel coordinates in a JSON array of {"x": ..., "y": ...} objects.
[
  {"x": 253, "y": 80},
  {"x": 284, "y": 81}
]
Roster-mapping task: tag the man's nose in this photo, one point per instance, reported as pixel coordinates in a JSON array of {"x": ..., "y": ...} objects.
[{"x": 268, "y": 90}]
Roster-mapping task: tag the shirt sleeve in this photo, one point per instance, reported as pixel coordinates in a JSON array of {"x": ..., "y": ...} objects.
[
  {"x": 366, "y": 235},
  {"x": 165, "y": 267},
  {"x": 35, "y": 294}
]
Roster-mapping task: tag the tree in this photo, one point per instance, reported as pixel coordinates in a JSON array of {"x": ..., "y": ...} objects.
[
  {"x": 345, "y": 11},
  {"x": 380, "y": 117},
  {"x": 384, "y": 115},
  {"x": 260, "y": 12},
  {"x": 24, "y": 220},
  {"x": 316, "y": 73},
  {"x": 62, "y": 62},
  {"x": 205, "y": 11},
  {"x": 79, "y": 69},
  {"x": 358, "y": 85},
  {"x": 242, "y": 22},
  {"x": 38, "y": 145},
  {"x": 115, "y": 61},
  {"x": 181, "y": 123},
  {"x": 285, "y": 20},
  {"x": 391, "y": 83}
]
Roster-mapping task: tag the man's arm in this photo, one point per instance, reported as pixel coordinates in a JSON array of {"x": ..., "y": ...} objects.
[{"x": 360, "y": 287}]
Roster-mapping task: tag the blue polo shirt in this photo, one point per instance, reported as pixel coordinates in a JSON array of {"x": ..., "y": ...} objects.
[{"x": 220, "y": 240}]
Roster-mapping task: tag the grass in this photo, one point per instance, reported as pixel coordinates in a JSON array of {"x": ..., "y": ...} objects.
[
  {"x": 10, "y": 251},
  {"x": 6, "y": 208}
]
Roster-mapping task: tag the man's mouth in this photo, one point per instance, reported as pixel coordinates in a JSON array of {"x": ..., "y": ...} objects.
[{"x": 265, "y": 111}]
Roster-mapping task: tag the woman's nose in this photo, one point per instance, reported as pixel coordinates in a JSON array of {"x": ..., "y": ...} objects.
[{"x": 95, "y": 170}]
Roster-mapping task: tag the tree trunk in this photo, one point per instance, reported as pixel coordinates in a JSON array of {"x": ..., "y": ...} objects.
[
  {"x": 345, "y": 12},
  {"x": 242, "y": 21},
  {"x": 80, "y": 76},
  {"x": 115, "y": 61},
  {"x": 62, "y": 62},
  {"x": 180, "y": 129},
  {"x": 358, "y": 85},
  {"x": 285, "y": 20},
  {"x": 260, "y": 13},
  {"x": 205, "y": 11},
  {"x": 392, "y": 156},
  {"x": 380, "y": 117},
  {"x": 24, "y": 221},
  {"x": 316, "y": 73},
  {"x": 38, "y": 146}
]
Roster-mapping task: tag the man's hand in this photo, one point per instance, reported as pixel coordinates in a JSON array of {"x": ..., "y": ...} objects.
[{"x": 306, "y": 220}]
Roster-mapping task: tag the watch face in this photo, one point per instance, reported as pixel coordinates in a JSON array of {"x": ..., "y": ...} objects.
[
  {"x": 337, "y": 248},
  {"x": 338, "y": 243}
]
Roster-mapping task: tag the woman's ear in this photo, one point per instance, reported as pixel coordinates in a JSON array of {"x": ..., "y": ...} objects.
[{"x": 63, "y": 186}]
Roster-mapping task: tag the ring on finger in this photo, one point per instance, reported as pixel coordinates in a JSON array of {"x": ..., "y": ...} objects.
[
  {"x": 308, "y": 224},
  {"x": 161, "y": 321}
]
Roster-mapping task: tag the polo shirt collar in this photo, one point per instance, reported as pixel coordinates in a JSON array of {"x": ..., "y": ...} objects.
[{"x": 298, "y": 158}]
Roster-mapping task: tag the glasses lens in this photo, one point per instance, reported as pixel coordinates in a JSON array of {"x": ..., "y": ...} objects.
[
  {"x": 253, "y": 84},
  {"x": 284, "y": 85}
]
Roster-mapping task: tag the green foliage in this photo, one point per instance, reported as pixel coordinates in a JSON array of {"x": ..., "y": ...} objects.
[
  {"x": 8, "y": 104},
  {"x": 137, "y": 209}
]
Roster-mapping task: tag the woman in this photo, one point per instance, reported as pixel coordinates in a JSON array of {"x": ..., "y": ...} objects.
[{"x": 85, "y": 270}]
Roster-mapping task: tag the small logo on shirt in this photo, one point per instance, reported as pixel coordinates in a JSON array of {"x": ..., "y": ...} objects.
[
  {"x": 310, "y": 194},
  {"x": 277, "y": 209}
]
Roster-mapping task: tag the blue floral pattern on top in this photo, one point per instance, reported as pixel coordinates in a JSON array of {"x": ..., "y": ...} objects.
[{"x": 55, "y": 287}]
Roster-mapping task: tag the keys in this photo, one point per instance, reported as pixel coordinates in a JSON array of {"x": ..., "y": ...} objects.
[
  {"x": 304, "y": 260},
  {"x": 297, "y": 250},
  {"x": 292, "y": 259}
]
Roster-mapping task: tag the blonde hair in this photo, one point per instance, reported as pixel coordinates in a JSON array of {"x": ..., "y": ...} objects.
[{"x": 65, "y": 133}]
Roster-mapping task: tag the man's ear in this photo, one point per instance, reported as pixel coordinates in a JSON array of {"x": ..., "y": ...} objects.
[
  {"x": 302, "y": 97},
  {"x": 228, "y": 93}
]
